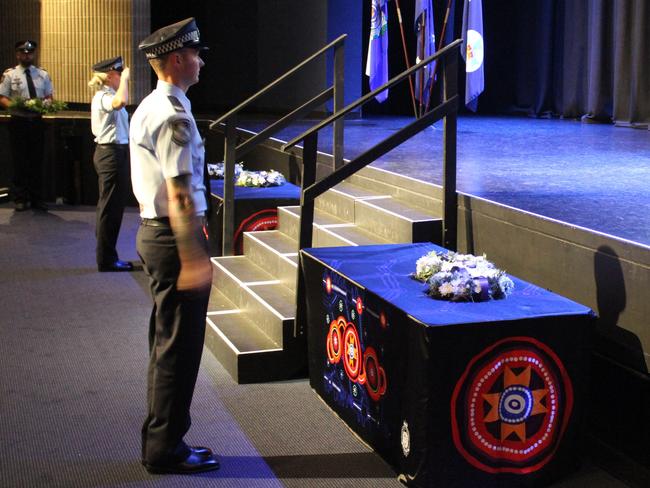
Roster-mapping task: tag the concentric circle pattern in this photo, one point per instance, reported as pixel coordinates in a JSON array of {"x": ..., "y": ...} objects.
[{"x": 511, "y": 406}]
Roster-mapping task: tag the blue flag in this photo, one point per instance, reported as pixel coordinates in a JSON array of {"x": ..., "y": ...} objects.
[
  {"x": 377, "y": 63},
  {"x": 426, "y": 46},
  {"x": 472, "y": 52}
]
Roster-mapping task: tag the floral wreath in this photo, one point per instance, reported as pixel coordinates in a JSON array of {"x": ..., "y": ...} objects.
[
  {"x": 248, "y": 178},
  {"x": 462, "y": 277},
  {"x": 38, "y": 105}
]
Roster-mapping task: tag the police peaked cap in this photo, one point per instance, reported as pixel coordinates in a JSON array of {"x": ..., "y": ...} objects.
[
  {"x": 171, "y": 38},
  {"x": 26, "y": 46},
  {"x": 106, "y": 65}
]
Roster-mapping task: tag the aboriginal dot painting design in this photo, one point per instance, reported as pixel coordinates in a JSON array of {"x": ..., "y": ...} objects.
[
  {"x": 511, "y": 407},
  {"x": 354, "y": 375}
]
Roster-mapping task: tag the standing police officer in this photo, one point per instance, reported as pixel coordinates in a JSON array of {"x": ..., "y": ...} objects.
[
  {"x": 110, "y": 126},
  {"x": 26, "y": 128},
  {"x": 167, "y": 159}
]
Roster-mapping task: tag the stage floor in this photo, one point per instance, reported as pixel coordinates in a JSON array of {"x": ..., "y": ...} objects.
[{"x": 588, "y": 175}]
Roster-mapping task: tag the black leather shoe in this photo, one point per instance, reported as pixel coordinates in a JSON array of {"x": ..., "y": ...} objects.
[
  {"x": 21, "y": 206},
  {"x": 194, "y": 463},
  {"x": 198, "y": 450},
  {"x": 116, "y": 266},
  {"x": 201, "y": 451}
]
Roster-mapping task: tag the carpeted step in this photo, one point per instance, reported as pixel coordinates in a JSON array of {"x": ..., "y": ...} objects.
[
  {"x": 256, "y": 294},
  {"x": 397, "y": 222},
  {"x": 339, "y": 200},
  {"x": 409, "y": 190},
  {"x": 328, "y": 231},
  {"x": 345, "y": 235},
  {"x": 289, "y": 220},
  {"x": 239, "y": 336},
  {"x": 381, "y": 180},
  {"x": 272, "y": 250},
  {"x": 261, "y": 284},
  {"x": 243, "y": 350}
]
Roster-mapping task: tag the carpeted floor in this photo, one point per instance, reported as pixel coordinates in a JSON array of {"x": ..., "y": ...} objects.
[{"x": 72, "y": 381}]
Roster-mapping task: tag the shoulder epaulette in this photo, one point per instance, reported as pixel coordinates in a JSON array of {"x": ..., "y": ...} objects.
[{"x": 176, "y": 103}]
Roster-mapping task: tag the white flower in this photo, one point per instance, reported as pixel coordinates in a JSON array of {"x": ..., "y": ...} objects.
[
  {"x": 426, "y": 266},
  {"x": 455, "y": 276},
  {"x": 241, "y": 181},
  {"x": 446, "y": 289},
  {"x": 506, "y": 284}
]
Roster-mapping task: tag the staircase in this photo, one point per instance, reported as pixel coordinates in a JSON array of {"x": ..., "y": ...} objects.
[{"x": 250, "y": 321}]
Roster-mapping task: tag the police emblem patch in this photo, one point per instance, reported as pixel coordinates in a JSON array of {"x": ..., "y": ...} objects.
[{"x": 181, "y": 131}]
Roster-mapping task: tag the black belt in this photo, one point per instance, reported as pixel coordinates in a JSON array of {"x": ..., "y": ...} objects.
[
  {"x": 113, "y": 144},
  {"x": 156, "y": 222},
  {"x": 164, "y": 221}
]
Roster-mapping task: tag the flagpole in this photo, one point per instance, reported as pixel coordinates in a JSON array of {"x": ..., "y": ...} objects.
[
  {"x": 421, "y": 73},
  {"x": 442, "y": 39},
  {"x": 406, "y": 56}
]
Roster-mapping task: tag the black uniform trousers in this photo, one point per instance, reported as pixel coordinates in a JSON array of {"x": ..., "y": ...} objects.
[
  {"x": 113, "y": 175},
  {"x": 176, "y": 335},
  {"x": 27, "y": 136}
]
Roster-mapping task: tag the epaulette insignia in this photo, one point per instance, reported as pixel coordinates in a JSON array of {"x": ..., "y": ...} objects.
[{"x": 176, "y": 103}]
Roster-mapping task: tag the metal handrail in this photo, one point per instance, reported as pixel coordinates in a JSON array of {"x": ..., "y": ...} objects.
[
  {"x": 447, "y": 109},
  {"x": 250, "y": 144},
  {"x": 369, "y": 96},
  {"x": 233, "y": 152},
  {"x": 277, "y": 81}
]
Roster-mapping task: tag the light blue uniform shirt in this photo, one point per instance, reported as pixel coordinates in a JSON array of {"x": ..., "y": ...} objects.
[
  {"x": 165, "y": 142},
  {"x": 14, "y": 82},
  {"x": 109, "y": 126}
]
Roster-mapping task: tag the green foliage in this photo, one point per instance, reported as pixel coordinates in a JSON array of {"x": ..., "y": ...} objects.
[{"x": 38, "y": 105}]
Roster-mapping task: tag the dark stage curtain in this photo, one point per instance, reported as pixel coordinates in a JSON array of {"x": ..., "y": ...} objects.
[{"x": 569, "y": 58}]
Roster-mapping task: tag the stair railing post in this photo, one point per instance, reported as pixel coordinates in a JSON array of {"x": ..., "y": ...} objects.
[
  {"x": 339, "y": 100},
  {"x": 449, "y": 195},
  {"x": 309, "y": 156},
  {"x": 230, "y": 153}
]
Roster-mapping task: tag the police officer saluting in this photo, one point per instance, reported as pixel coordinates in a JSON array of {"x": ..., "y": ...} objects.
[
  {"x": 110, "y": 126},
  {"x": 26, "y": 128},
  {"x": 167, "y": 158}
]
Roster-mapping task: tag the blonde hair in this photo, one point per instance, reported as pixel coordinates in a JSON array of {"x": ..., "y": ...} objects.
[{"x": 97, "y": 81}]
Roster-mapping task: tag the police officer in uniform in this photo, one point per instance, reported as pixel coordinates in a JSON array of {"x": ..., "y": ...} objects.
[
  {"x": 26, "y": 128},
  {"x": 110, "y": 125},
  {"x": 167, "y": 160}
]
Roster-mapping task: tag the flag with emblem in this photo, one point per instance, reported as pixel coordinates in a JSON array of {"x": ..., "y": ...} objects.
[
  {"x": 377, "y": 62},
  {"x": 426, "y": 46},
  {"x": 472, "y": 51}
]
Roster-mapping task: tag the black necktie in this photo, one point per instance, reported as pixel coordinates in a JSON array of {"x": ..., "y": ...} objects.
[{"x": 30, "y": 84}]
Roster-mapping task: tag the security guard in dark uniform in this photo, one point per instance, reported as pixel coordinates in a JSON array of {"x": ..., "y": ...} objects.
[
  {"x": 110, "y": 126},
  {"x": 167, "y": 161},
  {"x": 26, "y": 128}
]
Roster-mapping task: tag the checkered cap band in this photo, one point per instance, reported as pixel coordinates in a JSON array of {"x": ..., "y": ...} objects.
[{"x": 172, "y": 45}]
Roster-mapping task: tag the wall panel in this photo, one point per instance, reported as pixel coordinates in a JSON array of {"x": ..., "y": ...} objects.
[{"x": 76, "y": 34}]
